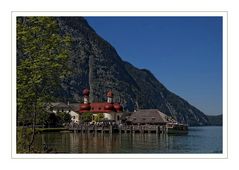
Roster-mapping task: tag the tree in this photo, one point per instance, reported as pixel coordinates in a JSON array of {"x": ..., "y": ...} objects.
[
  {"x": 67, "y": 118},
  {"x": 86, "y": 117},
  {"x": 53, "y": 120},
  {"x": 99, "y": 117},
  {"x": 64, "y": 118},
  {"x": 42, "y": 55}
]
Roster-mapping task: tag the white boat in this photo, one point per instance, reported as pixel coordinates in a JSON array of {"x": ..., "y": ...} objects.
[{"x": 176, "y": 128}]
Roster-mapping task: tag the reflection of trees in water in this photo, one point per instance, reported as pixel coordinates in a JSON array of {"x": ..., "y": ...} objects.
[{"x": 55, "y": 142}]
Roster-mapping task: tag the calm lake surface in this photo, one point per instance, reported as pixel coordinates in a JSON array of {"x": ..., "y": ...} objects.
[{"x": 198, "y": 140}]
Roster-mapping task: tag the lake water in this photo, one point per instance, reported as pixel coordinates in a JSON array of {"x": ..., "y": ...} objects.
[{"x": 198, "y": 140}]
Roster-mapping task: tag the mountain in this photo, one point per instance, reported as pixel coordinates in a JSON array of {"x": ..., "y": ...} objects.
[
  {"x": 215, "y": 120},
  {"x": 95, "y": 64}
]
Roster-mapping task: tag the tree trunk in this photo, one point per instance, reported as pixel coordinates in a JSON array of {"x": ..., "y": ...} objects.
[{"x": 33, "y": 128}]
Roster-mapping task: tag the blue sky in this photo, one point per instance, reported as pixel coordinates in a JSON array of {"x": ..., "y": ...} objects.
[{"x": 184, "y": 53}]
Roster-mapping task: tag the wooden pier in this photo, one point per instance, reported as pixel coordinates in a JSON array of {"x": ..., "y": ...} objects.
[{"x": 119, "y": 129}]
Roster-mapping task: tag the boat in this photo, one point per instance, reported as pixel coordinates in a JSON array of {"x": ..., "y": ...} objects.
[{"x": 176, "y": 128}]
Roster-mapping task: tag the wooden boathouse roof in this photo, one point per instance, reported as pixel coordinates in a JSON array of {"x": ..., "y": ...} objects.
[{"x": 148, "y": 116}]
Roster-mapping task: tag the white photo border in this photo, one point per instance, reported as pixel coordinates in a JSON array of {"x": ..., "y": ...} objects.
[{"x": 223, "y": 14}]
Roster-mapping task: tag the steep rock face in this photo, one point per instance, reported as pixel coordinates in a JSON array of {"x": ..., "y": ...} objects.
[
  {"x": 153, "y": 94},
  {"x": 95, "y": 64}
]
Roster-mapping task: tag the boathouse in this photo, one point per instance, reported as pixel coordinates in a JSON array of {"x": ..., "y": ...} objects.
[{"x": 148, "y": 116}]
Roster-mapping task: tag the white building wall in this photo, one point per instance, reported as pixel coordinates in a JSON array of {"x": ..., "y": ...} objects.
[
  {"x": 108, "y": 116},
  {"x": 110, "y": 100},
  {"x": 74, "y": 117}
]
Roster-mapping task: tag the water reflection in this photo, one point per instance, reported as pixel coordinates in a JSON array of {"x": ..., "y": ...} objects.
[{"x": 200, "y": 141}]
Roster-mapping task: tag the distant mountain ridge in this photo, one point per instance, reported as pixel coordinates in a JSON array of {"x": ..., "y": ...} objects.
[
  {"x": 215, "y": 120},
  {"x": 96, "y": 65}
]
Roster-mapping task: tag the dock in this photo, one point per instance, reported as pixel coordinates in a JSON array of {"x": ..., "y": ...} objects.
[{"x": 157, "y": 129}]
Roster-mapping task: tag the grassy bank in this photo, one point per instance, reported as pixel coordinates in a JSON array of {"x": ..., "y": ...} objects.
[{"x": 41, "y": 130}]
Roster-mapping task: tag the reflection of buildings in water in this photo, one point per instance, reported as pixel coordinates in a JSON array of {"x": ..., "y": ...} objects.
[
  {"x": 142, "y": 141},
  {"x": 85, "y": 143},
  {"x": 107, "y": 142},
  {"x": 116, "y": 143},
  {"x": 133, "y": 140},
  {"x": 118, "y": 139},
  {"x": 74, "y": 141},
  {"x": 137, "y": 139},
  {"x": 88, "y": 143},
  {"x": 164, "y": 141},
  {"x": 80, "y": 143},
  {"x": 94, "y": 143},
  {"x": 171, "y": 140},
  {"x": 157, "y": 140},
  {"x": 127, "y": 142}
]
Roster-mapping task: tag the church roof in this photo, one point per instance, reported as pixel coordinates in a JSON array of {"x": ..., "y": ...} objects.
[{"x": 102, "y": 107}]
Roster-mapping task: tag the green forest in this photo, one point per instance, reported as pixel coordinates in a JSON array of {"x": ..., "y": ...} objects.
[{"x": 42, "y": 56}]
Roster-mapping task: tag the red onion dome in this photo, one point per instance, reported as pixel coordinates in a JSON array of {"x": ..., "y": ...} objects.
[
  {"x": 118, "y": 107},
  {"x": 85, "y": 106},
  {"x": 110, "y": 94},
  {"x": 108, "y": 106},
  {"x": 86, "y": 92}
]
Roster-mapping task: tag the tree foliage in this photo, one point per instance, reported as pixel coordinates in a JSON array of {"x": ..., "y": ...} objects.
[
  {"x": 42, "y": 56},
  {"x": 99, "y": 117},
  {"x": 64, "y": 118},
  {"x": 86, "y": 117},
  {"x": 67, "y": 118}
]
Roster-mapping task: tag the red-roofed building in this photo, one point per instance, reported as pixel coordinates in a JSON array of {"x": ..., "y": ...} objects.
[{"x": 110, "y": 110}]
